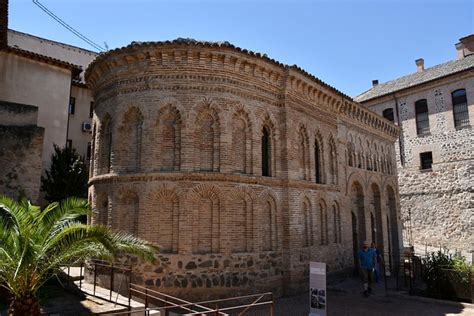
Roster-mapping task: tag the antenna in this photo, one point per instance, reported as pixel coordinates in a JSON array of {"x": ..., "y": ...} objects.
[{"x": 68, "y": 27}]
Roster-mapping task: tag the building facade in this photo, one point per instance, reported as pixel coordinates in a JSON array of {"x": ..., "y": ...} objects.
[
  {"x": 242, "y": 169},
  {"x": 435, "y": 109},
  {"x": 46, "y": 75}
]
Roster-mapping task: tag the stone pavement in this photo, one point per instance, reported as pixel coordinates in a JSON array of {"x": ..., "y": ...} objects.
[{"x": 345, "y": 298}]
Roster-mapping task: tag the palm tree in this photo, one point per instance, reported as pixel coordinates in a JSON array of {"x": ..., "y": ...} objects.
[{"x": 35, "y": 244}]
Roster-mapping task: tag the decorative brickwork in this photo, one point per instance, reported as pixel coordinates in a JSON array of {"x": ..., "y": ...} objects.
[{"x": 243, "y": 174}]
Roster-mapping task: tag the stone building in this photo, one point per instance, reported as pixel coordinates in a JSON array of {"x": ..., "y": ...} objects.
[
  {"x": 243, "y": 169},
  {"x": 435, "y": 109}
]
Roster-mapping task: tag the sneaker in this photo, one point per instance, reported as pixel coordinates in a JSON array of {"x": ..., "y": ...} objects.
[{"x": 366, "y": 294}]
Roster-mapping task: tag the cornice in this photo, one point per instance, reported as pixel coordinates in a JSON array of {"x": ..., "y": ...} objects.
[
  {"x": 225, "y": 60},
  {"x": 211, "y": 177}
]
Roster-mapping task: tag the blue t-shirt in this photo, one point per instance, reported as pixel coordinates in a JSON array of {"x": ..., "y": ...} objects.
[{"x": 367, "y": 258}]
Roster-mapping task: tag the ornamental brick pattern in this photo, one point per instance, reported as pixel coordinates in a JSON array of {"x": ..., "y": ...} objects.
[{"x": 242, "y": 169}]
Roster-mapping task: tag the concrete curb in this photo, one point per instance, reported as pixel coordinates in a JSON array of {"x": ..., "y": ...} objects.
[{"x": 431, "y": 300}]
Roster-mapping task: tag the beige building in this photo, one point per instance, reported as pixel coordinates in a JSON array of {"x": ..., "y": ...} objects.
[
  {"x": 47, "y": 75},
  {"x": 72, "y": 111},
  {"x": 435, "y": 109},
  {"x": 241, "y": 168}
]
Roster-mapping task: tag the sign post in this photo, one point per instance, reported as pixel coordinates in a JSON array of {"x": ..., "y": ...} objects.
[{"x": 317, "y": 289}]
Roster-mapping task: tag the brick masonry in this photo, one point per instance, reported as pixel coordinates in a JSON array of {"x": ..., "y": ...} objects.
[{"x": 184, "y": 134}]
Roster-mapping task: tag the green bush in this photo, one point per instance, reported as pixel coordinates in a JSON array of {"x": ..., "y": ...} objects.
[{"x": 447, "y": 276}]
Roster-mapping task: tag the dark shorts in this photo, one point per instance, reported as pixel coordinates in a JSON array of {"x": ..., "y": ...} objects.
[{"x": 367, "y": 275}]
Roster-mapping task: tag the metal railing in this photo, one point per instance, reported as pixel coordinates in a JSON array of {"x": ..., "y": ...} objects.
[{"x": 155, "y": 301}]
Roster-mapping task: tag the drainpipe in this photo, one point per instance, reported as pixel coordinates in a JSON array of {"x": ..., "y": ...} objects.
[{"x": 400, "y": 142}]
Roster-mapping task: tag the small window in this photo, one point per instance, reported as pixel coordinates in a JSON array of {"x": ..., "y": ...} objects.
[
  {"x": 266, "y": 153},
  {"x": 422, "y": 119},
  {"x": 460, "y": 111},
  {"x": 388, "y": 114},
  {"x": 426, "y": 160},
  {"x": 91, "y": 109},
  {"x": 72, "y": 105},
  {"x": 69, "y": 143},
  {"x": 89, "y": 151}
]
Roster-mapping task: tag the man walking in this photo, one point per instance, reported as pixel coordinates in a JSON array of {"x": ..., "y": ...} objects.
[{"x": 367, "y": 260}]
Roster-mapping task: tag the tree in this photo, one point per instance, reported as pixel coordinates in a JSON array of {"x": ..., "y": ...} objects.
[
  {"x": 67, "y": 176},
  {"x": 35, "y": 244}
]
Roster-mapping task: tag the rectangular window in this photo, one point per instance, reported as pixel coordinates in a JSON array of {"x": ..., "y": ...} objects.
[
  {"x": 69, "y": 143},
  {"x": 89, "y": 151},
  {"x": 422, "y": 119},
  {"x": 426, "y": 160},
  {"x": 460, "y": 110},
  {"x": 91, "y": 109},
  {"x": 72, "y": 105},
  {"x": 388, "y": 114}
]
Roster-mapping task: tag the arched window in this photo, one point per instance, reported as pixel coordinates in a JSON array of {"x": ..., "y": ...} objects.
[
  {"x": 266, "y": 153},
  {"x": 318, "y": 161},
  {"x": 460, "y": 110},
  {"x": 388, "y": 114},
  {"x": 422, "y": 119}
]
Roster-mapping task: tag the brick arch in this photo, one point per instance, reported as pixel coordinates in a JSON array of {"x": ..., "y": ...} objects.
[
  {"x": 126, "y": 210},
  {"x": 357, "y": 196},
  {"x": 319, "y": 159},
  {"x": 102, "y": 208},
  {"x": 169, "y": 124},
  {"x": 303, "y": 152},
  {"x": 207, "y": 204},
  {"x": 128, "y": 150},
  {"x": 322, "y": 215},
  {"x": 243, "y": 192},
  {"x": 267, "y": 142},
  {"x": 163, "y": 226},
  {"x": 393, "y": 224},
  {"x": 105, "y": 138},
  {"x": 332, "y": 163},
  {"x": 267, "y": 222},
  {"x": 356, "y": 176},
  {"x": 375, "y": 194},
  {"x": 337, "y": 223},
  {"x": 307, "y": 222},
  {"x": 207, "y": 135},
  {"x": 240, "y": 219},
  {"x": 242, "y": 140}
]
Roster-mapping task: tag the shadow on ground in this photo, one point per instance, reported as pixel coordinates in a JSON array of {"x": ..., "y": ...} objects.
[{"x": 345, "y": 298}]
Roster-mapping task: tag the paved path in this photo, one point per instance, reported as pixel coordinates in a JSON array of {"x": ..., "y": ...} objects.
[{"x": 346, "y": 299}]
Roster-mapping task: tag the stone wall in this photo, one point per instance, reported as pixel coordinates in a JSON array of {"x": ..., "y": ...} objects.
[
  {"x": 237, "y": 166},
  {"x": 21, "y": 144}
]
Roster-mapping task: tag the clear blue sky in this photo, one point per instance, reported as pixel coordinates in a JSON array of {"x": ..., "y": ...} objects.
[{"x": 344, "y": 43}]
